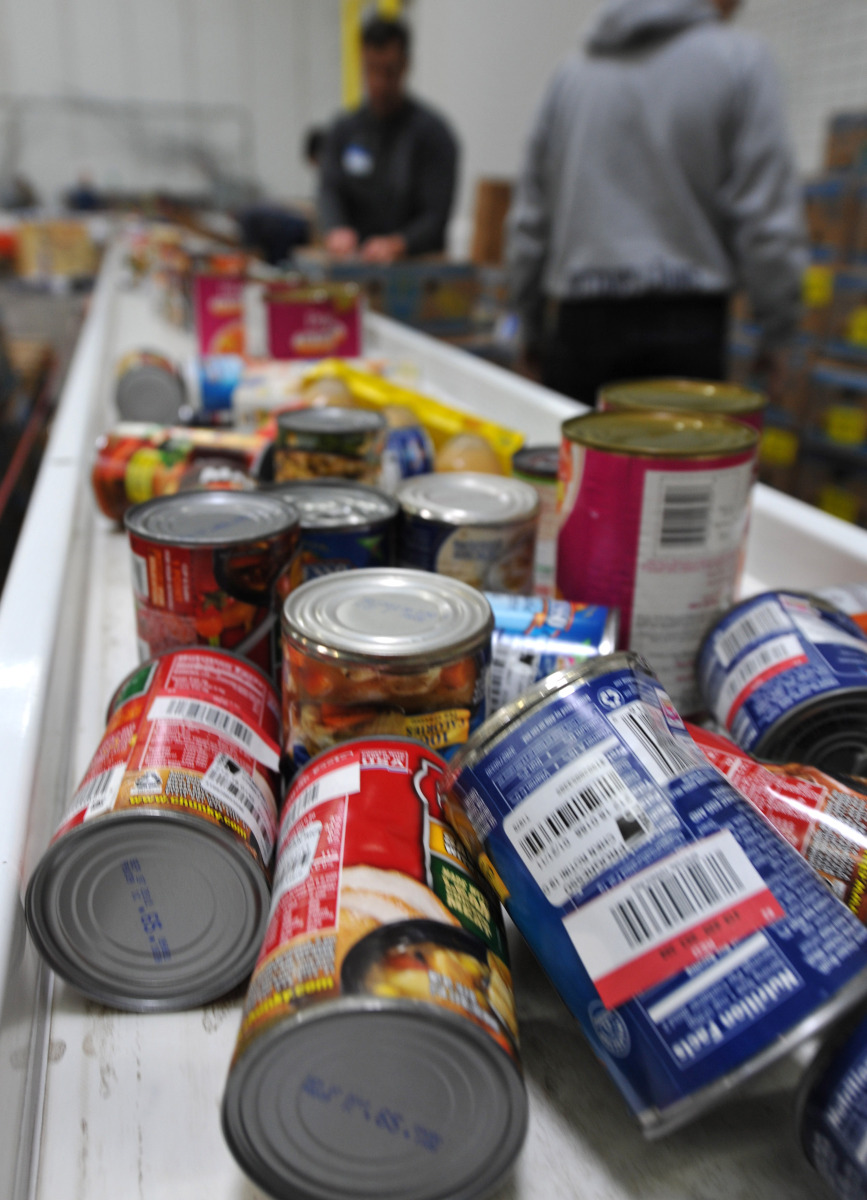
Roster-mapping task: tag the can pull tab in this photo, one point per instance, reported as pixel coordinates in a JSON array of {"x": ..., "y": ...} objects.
[{"x": 489, "y": 871}]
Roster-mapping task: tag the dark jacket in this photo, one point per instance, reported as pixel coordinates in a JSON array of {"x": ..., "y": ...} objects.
[{"x": 390, "y": 175}]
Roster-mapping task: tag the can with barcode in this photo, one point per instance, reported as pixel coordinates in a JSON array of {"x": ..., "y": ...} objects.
[
  {"x": 786, "y": 675},
  {"x": 653, "y": 522},
  {"x": 535, "y": 636},
  {"x": 154, "y": 891},
  {"x": 832, "y": 1113},
  {"x": 205, "y": 568},
  {"x": 380, "y": 1015},
  {"x": 344, "y": 525},
  {"x": 692, "y": 943},
  {"x": 699, "y": 397}
]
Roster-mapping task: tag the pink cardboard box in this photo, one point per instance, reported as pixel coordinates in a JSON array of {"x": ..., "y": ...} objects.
[
  {"x": 316, "y": 322},
  {"x": 218, "y": 307}
]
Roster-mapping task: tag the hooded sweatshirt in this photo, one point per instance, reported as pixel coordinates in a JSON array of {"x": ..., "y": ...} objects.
[{"x": 659, "y": 162}]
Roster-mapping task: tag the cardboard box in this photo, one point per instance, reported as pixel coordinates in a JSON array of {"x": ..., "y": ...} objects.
[
  {"x": 56, "y": 249},
  {"x": 218, "y": 314},
  {"x": 846, "y": 141},
  {"x": 314, "y": 322},
  {"x": 493, "y": 198},
  {"x": 836, "y": 409},
  {"x": 847, "y": 321},
  {"x": 830, "y": 209}
]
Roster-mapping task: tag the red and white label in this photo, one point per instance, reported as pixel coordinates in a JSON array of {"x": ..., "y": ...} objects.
[
  {"x": 199, "y": 712},
  {"x": 755, "y": 669},
  {"x": 670, "y": 916}
]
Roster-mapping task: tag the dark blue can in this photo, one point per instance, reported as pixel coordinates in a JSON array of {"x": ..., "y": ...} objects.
[
  {"x": 832, "y": 1120},
  {"x": 691, "y": 942},
  {"x": 786, "y": 675}
]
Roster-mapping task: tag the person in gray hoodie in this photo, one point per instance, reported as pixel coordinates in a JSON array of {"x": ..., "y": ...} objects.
[{"x": 657, "y": 179}]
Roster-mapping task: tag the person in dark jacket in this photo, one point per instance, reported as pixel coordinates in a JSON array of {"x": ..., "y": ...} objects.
[
  {"x": 388, "y": 170},
  {"x": 657, "y": 179}
]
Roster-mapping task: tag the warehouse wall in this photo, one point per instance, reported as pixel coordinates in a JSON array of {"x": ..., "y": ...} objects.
[
  {"x": 166, "y": 92},
  {"x": 485, "y": 64}
]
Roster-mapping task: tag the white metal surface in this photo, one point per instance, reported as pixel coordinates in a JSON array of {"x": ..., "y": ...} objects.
[{"x": 96, "y": 1105}]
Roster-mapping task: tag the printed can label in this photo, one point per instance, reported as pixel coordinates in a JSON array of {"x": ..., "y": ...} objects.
[
  {"x": 833, "y": 1125},
  {"x": 680, "y": 930},
  {"x": 662, "y": 541},
  {"x": 495, "y": 558},
  {"x": 373, "y": 896}
]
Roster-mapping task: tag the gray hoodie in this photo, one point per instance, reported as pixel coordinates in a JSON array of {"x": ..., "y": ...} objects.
[{"x": 659, "y": 162}]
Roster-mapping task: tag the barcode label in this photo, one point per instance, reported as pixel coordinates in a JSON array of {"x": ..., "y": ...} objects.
[
  {"x": 512, "y": 670},
  {"x": 760, "y": 621},
  {"x": 344, "y": 781},
  {"x": 581, "y": 821},
  {"x": 663, "y": 919},
  {"x": 140, "y": 576},
  {"x": 199, "y": 712},
  {"x": 99, "y": 794},
  {"x": 231, "y": 786},
  {"x": 747, "y": 674},
  {"x": 686, "y": 512},
  {"x": 295, "y": 861},
  {"x": 655, "y": 748}
]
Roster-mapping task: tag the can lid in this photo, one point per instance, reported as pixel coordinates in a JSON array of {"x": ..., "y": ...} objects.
[
  {"x": 682, "y": 395},
  {"x": 211, "y": 518},
  {"x": 330, "y": 420},
  {"x": 490, "y": 731},
  {"x": 661, "y": 434},
  {"x": 334, "y": 504},
  {"x": 390, "y": 614},
  {"x": 468, "y": 498},
  {"x": 377, "y": 1099},
  {"x": 148, "y": 910},
  {"x": 148, "y": 391},
  {"x": 542, "y": 461}
]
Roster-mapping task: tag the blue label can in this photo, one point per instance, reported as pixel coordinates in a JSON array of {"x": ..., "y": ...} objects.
[
  {"x": 691, "y": 942},
  {"x": 786, "y": 675},
  {"x": 535, "y": 636},
  {"x": 832, "y": 1121}
]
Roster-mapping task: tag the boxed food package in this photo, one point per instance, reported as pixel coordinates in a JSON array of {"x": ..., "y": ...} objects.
[
  {"x": 848, "y": 316},
  {"x": 55, "y": 249},
  {"x": 846, "y": 142},
  {"x": 830, "y": 205},
  {"x": 313, "y": 322},
  {"x": 218, "y": 313},
  {"x": 836, "y": 405}
]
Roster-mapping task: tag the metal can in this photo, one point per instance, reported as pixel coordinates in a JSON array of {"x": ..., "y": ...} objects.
[
  {"x": 823, "y": 818},
  {"x": 380, "y": 1013},
  {"x": 408, "y": 451},
  {"x": 850, "y": 598},
  {"x": 205, "y": 568},
  {"x": 538, "y": 466},
  {"x": 148, "y": 387},
  {"x": 475, "y": 527},
  {"x": 832, "y": 1114},
  {"x": 533, "y": 637},
  {"x": 343, "y": 525},
  {"x": 691, "y": 942},
  {"x": 700, "y": 397},
  {"x": 153, "y": 893},
  {"x": 383, "y": 651},
  {"x": 786, "y": 675},
  {"x": 344, "y": 442},
  {"x": 653, "y": 523}
]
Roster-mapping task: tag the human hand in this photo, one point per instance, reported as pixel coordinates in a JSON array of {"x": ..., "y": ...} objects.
[
  {"x": 383, "y": 249},
  {"x": 341, "y": 241}
]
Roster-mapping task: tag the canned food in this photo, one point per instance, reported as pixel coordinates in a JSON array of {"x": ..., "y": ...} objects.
[
  {"x": 378, "y": 1047},
  {"x": 533, "y": 637},
  {"x": 475, "y": 527},
  {"x": 832, "y": 1114},
  {"x": 691, "y": 942},
  {"x": 823, "y": 818},
  {"x": 538, "y": 466},
  {"x": 205, "y": 569},
  {"x": 383, "y": 651},
  {"x": 697, "y": 396},
  {"x": 153, "y": 893},
  {"x": 786, "y": 675},
  {"x": 344, "y": 442},
  {"x": 135, "y": 462},
  {"x": 148, "y": 387},
  {"x": 408, "y": 451},
  {"x": 850, "y": 598},
  {"x": 653, "y": 523},
  {"x": 343, "y": 525}
]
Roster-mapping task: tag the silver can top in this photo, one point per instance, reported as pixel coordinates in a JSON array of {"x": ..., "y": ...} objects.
[
  {"x": 388, "y": 615},
  {"x": 211, "y": 518},
  {"x": 330, "y": 421},
  {"x": 335, "y": 504},
  {"x": 199, "y": 939},
  {"x": 376, "y": 1098},
  {"x": 468, "y": 498}
]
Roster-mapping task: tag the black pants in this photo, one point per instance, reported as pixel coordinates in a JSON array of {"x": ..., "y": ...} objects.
[{"x": 595, "y": 342}]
